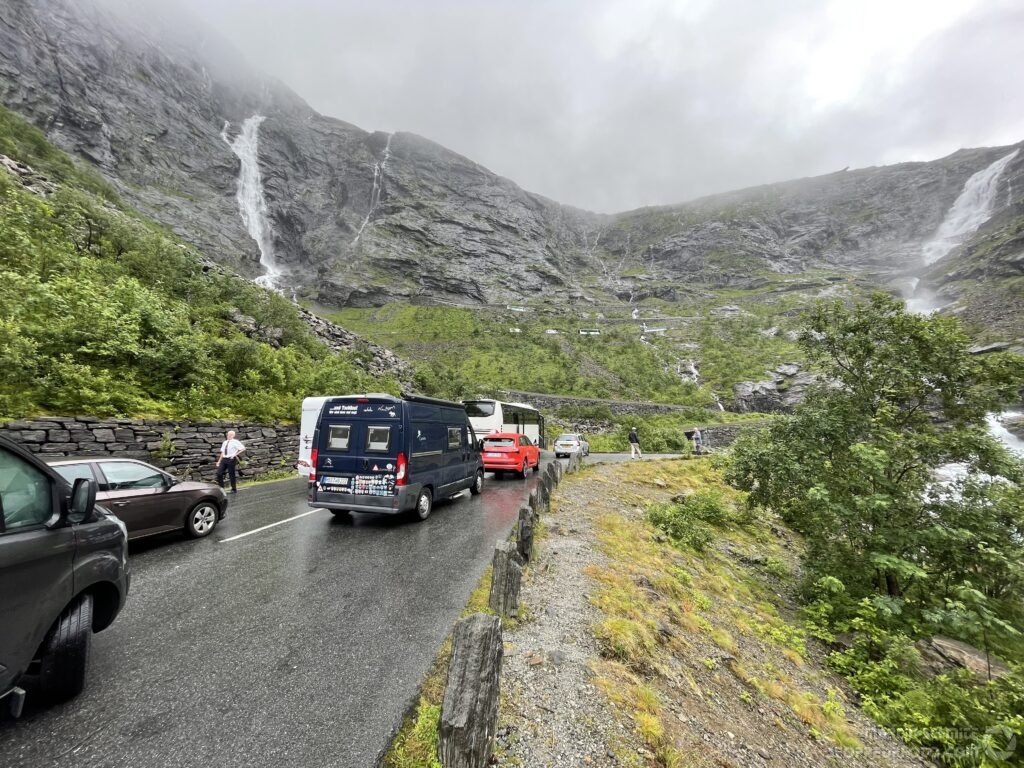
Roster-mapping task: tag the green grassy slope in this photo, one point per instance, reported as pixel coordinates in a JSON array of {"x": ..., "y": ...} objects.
[{"x": 103, "y": 312}]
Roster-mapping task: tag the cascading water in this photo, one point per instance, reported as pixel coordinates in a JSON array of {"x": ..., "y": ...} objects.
[
  {"x": 971, "y": 209},
  {"x": 252, "y": 204},
  {"x": 378, "y": 187}
]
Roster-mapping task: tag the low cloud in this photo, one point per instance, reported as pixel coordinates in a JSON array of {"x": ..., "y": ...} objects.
[{"x": 614, "y": 105}]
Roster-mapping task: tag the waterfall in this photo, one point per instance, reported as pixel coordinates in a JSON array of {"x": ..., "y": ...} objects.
[
  {"x": 1010, "y": 441},
  {"x": 378, "y": 187},
  {"x": 252, "y": 204},
  {"x": 972, "y": 209}
]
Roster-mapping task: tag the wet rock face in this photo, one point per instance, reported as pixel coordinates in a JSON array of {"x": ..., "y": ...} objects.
[
  {"x": 780, "y": 393},
  {"x": 145, "y": 95}
]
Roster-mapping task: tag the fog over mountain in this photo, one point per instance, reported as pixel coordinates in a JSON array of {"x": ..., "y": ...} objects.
[{"x": 611, "y": 105}]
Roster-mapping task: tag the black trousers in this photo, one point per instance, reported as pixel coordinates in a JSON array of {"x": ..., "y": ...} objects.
[{"x": 227, "y": 465}]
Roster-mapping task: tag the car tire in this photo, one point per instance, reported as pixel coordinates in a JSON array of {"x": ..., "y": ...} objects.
[
  {"x": 201, "y": 520},
  {"x": 65, "y": 656},
  {"x": 478, "y": 483},
  {"x": 424, "y": 504},
  {"x": 525, "y": 471},
  {"x": 536, "y": 467}
]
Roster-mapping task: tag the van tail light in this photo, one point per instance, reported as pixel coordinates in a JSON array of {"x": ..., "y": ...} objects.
[
  {"x": 312, "y": 461},
  {"x": 401, "y": 473}
]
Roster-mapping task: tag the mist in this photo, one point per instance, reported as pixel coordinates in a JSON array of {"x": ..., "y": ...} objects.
[{"x": 615, "y": 105}]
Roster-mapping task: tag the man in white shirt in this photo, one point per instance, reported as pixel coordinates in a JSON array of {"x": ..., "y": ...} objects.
[{"x": 230, "y": 450}]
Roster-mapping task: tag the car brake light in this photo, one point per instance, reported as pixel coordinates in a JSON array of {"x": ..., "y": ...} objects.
[
  {"x": 401, "y": 477},
  {"x": 312, "y": 462}
]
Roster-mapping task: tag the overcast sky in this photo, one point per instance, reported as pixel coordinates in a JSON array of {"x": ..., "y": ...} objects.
[{"x": 611, "y": 105}]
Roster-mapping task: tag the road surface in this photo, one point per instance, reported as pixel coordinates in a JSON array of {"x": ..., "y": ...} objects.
[{"x": 287, "y": 637}]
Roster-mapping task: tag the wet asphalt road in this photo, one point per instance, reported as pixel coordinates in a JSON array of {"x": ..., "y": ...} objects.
[{"x": 301, "y": 644}]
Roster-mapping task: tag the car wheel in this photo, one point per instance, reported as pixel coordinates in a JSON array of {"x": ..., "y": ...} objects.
[
  {"x": 478, "y": 483},
  {"x": 424, "y": 504},
  {"x": 536, "y": 467},
  {"x": 201, "y": 520},
  {"x": 525, "y": 471},
  {"x": 65, "y": 654}
]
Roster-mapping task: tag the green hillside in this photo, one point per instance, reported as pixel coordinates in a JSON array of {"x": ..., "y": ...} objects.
[{"x": 102, "y": 312}]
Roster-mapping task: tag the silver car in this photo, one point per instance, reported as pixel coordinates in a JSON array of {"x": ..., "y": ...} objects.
[{"x": 569, "y": 443}]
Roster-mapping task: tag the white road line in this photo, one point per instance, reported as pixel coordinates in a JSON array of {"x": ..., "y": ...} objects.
[{"x": 272, "y": 525}]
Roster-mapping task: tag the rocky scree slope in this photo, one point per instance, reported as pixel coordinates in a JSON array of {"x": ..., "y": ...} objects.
[{"x": 360, "y": 218}]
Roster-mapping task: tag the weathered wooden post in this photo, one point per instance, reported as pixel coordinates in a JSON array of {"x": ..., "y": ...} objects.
[
  {"x": 534, "y": 502},
  {"x": 558, "y": 470},
  {"x": 506, "y": 576},
  {"x": 524, "y": 534},
  {"x": 469, "y": 712}
]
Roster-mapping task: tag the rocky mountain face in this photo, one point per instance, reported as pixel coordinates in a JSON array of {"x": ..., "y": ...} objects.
[{"x": 358, "y": 218}]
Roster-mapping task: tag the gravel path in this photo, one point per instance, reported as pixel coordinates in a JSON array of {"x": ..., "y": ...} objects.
[{"x": 552, "y": 715}]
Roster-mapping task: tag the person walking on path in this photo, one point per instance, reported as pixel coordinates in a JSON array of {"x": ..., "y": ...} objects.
[
  {"x": 230, "y": 450},
  {"x": 634, "y": 445}
]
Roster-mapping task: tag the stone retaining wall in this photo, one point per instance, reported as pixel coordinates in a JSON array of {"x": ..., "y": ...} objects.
[{"x": 187, "y": 448}]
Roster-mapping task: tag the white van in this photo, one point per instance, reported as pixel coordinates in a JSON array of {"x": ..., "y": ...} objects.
[{"x": 311, "y": 407}]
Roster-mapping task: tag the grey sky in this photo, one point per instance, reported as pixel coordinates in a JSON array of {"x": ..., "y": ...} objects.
[{"x": 610, "y": 105}]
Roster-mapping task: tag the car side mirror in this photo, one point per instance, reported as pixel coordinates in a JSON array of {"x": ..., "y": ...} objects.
[
  {"x": 170, "y": 481},
  {"x": 83, "y": 501}
]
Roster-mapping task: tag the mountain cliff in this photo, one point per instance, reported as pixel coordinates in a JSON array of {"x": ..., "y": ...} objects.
[{"x": 355, "y": 218}]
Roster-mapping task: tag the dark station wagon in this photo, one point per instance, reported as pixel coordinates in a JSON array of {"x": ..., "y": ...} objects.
[{"x": 147, "y": 499}]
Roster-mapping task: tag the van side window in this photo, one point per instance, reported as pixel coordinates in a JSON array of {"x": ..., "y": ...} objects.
[
  {"x": 378, "y": 439},
  {"x": 25, "y": 492},
  {"x": 454, "y": 438},
  {"x": 337, "y": 437}
]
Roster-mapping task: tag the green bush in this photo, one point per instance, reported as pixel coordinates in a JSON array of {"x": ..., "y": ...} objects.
[{"x": 691, "y": 521}]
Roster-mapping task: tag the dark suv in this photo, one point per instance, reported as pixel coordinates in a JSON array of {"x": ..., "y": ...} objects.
[{"x": 63, "y": 576}]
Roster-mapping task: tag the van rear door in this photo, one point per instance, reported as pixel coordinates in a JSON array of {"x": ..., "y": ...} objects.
[{"x": 358, "y": 442}]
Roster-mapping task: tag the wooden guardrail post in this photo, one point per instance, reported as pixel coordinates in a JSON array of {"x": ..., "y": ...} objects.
[
  {"x": 524, "y": 534},
  {"x": 469, "y": 712},
  {"x": 506, "y": 577}
]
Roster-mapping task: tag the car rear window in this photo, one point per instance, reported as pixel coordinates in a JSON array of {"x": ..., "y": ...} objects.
[
  {"x": 378, "y": 439},
  {"x": 567, "y": 438},
  {"x": 492, "y": 442},
  {"x": 337, "y": 437}
]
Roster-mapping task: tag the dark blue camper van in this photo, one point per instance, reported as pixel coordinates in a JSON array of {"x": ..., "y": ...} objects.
[{"x": 379, "y": 453}]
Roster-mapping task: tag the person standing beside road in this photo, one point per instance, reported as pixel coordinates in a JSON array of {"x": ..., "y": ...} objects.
[
  {"x": 230, "y": 450},
  {"x": 634, "y": 445},
  {"x": 698, "y": 442}
]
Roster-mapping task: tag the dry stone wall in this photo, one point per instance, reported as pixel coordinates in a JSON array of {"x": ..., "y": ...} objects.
[{"x": 188, "y": 449}]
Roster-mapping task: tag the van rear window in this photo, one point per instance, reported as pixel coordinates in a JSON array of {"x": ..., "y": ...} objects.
[
  {"x": 337, "y": 437},
  {"x": 378, "y": 439}
]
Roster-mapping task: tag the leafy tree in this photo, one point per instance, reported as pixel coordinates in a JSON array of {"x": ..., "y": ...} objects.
[{"x": 852, "y": 468}]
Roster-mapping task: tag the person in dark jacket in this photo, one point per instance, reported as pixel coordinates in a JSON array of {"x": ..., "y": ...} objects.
[{"x": 634, "y": 445}]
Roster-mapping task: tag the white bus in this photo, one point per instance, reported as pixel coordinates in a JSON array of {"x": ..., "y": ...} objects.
[{"x": 488, "y": 416}]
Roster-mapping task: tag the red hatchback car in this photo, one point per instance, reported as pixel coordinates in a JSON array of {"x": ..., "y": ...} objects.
[{"x": 510, "y": 452}]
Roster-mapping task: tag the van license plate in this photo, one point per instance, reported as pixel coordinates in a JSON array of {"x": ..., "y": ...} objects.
[{"x": 336, "y": 484}]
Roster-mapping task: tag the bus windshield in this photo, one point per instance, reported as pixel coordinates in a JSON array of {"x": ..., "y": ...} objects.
[{"x": 479, "y": 407}]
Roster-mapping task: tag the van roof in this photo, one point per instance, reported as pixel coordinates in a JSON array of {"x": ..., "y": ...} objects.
[{"x": 407, "y": 398}]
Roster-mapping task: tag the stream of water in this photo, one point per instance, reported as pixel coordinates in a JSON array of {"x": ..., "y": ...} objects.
[
  {"x": 252, "y": 203},
  {"x": 377, "y": 189}
]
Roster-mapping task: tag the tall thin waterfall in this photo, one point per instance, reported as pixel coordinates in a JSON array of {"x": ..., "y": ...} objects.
[
  {"x": 252, "y": 204},
  {"x": 378, "y": 187},
  {"x": 972, "y": 209}
]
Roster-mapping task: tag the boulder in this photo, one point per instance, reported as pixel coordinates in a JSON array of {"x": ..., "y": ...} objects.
[{"x": 942, "y": 654}]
